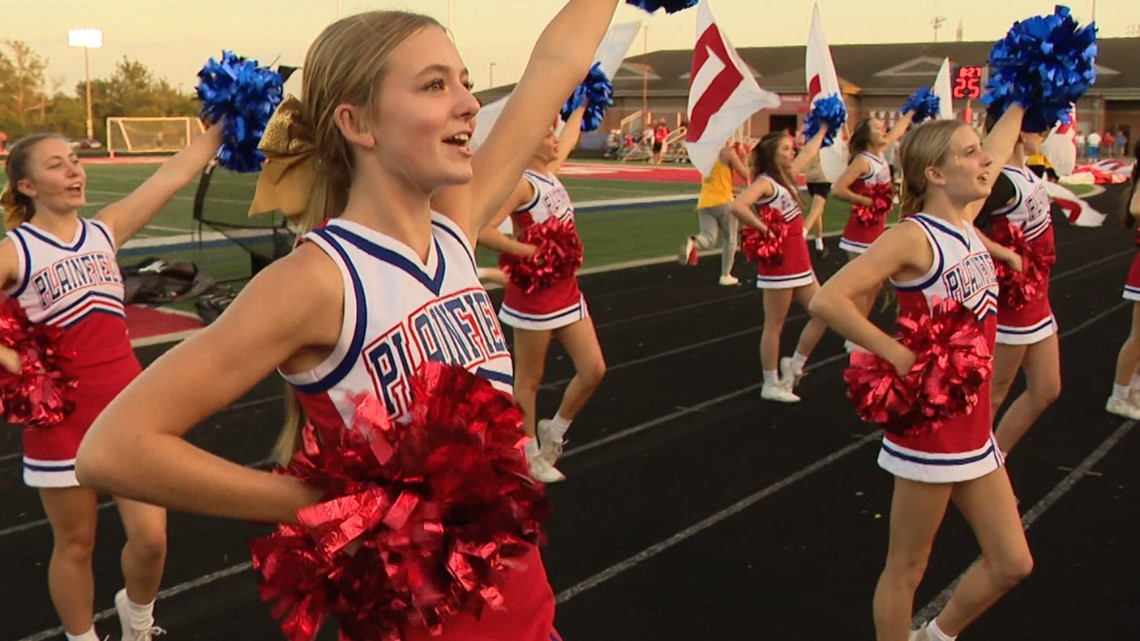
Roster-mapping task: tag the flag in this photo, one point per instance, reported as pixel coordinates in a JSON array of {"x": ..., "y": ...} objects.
[
  {"x": 723, "y": 93},
  {"x": 1077, "y": 211},
  {"x": 822, "y": 81},
  {"x": 610, "y": 54},
  {"x": 1060, "y": 146},
  {"x": 942, "y": 90}
]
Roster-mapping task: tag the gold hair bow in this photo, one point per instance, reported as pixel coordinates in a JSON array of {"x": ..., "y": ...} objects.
[{"x": 287, "y": 175}]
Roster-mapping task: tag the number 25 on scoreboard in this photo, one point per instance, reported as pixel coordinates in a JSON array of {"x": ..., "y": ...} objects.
[{"x": 967, "y": 82}]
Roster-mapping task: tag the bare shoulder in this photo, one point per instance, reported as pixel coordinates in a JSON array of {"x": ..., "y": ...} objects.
[{"x": 9, "y": 262}]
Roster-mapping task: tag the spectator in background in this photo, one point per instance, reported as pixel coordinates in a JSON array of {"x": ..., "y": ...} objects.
[
  {"x": 1094, "y": 146},
  {"x": 660, "y": 133},
  {"x": 1109, "y": 144},
  {"x": 1122, "y": 143},
  {"x": 1079, "y": 141}
]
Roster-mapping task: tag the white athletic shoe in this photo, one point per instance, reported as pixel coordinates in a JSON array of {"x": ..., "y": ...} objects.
[
  {"x": 544, "y": 472},
  {"x": 1122, "y": 407},
  {"x": 779, "y": 393},
  {"x": 129, "y": 633},
  {"x": 788, "y": 378},
  {"x": 549, "y": 446},
  {"x": 729, "y": 280},
  {"x": 1134, "y": 396},
  {"x": 918, "y": 635}
]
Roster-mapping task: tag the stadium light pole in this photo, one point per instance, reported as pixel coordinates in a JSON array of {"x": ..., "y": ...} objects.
[{"x": 88, "y": 39}]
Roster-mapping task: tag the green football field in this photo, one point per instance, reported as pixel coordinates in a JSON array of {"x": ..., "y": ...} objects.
[{"x": 609, "y": 235}]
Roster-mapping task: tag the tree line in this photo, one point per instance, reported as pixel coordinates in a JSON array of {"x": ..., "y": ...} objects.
[{"x": 31, "y": 100}]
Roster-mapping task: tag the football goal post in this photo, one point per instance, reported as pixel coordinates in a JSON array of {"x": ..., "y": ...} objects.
[{"x": 151, "y": 134}]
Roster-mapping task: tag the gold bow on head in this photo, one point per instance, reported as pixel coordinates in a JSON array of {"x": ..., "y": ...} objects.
[{"x": 287, "y": 175}]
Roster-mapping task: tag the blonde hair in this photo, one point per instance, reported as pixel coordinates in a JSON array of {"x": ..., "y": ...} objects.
[
  {"x": 19, "y": 208},
  {"x": 345, "y": 64},
  {"x": 926, "y": 145}
]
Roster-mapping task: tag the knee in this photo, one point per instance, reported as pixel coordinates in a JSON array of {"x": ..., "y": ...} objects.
[
  {"x": 148, "y": 543},
  {"x": 593, "y": 373},
  {"x": 77, "y": 544},
  {"x": 904, "y": 574},
  {"x": 527, "y": 383},
  {"x": 1008, "y": 572},
  {"x": 1047, "y": 392}
]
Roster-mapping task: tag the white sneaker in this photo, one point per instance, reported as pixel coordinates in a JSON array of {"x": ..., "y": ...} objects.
[
  {"x": 852, "y": 347},
  {"x": 549, "y": 446},
  {"x": 1122, "y": 407},
  {"x": 129, "y": 633},
  {"x": 918, "y": 635},
  {"x": 1134, "y": 396},
  {"x": 728, "y": 280},
  {"x": 788, "y": 378},
  {"x": 689, "y": 254},
  {"x": 779, "y": 393},
  {"x": 544, "y": 472}
]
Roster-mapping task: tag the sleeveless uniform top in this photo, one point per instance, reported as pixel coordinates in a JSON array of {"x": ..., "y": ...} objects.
[
  {"x": 1029, "y": 212},
  {"x": 795, "y": 270},
  {"x": 963, "y": 448},
  {"x": 856, "y": 236}
]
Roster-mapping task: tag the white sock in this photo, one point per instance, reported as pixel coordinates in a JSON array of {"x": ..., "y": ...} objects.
[
  {"x": 559, "y": 425},
  {"x": 935, "y": 633},
  {"x": 1120, "y": 392},
  {"x": 798, "y": 362},
  {"x": 819, "y": 243},
  {"x": 1135, "y": 384},
  {"x": 771, "y": 377},
  {"x": 141, "y": 616},
  {"x": 86, "y": 636},
  {"x": 531, "y": 448}
]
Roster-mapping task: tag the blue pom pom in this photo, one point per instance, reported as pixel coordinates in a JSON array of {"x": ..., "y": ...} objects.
[
  {"x": 924, "y": 103},
  {"x": 246, "y": 96},
  {"x": 596, "y": 93},
  {"x": 1045, "y": 64},
  {"x": 670, "y": 6},
  {"x": 830, "y": 110}
]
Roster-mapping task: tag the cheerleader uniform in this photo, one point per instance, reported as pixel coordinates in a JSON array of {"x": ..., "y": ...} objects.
[
  {"x": 398, "y": 313},
  {"x": 1132, "y": 285},
  {"x": 795, "y": 270},
  {"x": 963, "y": 448},
  {"x": 857, "y": 237},
  {"x": 561, "y": 303},
  {"x": 74, "y": 285},
  {"x": 1034, "y": 322}
]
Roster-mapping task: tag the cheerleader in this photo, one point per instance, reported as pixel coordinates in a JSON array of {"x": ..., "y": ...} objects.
[
  {"x": 774, "y": 167},
  {"x": 936, "y": 252},
  {"x": 556, "y": 311},
  {"x": 1125, "y": 398},
  {"x": 383, "y": 286},
  {"x": 60, "y": 268},
  {"x": 1026, "y": 336}
]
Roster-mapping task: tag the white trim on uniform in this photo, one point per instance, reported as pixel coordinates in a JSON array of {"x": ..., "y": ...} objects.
[
  {"x": 1131, "y": 293},
  {"x": 786, "y": 281},
  {"x": 852, "y": 246},
  {"x": 554, "y": 320},
  {"x": 1009, "y": 335},
  {"x": 930, "y": 467},
  {"x": 51, "y": 474}
]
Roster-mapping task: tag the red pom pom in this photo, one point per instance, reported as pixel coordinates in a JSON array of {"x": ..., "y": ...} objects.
[
  {"x": 953, "y": 362},
  {"x": 882, "y": 196},
  {"x": 767, "y": 248},
  {"x": 1016, "y": 289},
  {"x": 38, "y": 395},
  {"x": 434, "y": 514},
  {"x": 558, "y": 257}
]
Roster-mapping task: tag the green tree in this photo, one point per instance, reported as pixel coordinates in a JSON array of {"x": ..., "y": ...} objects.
[{"x": 22, "y": 85}]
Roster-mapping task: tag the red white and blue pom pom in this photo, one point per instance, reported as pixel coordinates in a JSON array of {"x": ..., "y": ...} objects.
[
  {"x": 670, "y": 6},
  {"x": 830, "y": 110},
  {"x": 439, "y": 512},
  {"x": 245, "y": 95},
  {"x": 1045, "y": 64},
  {"x": 39, "y": 395},
  {"x": 924, "y": 103},
  {"x": 953, "y": 361},
  {"x": 596, "y": 93}
]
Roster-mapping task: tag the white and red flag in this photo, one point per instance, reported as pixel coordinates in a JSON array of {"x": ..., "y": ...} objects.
[
  {"x": 942, "y": 90},
  {"x": 723, "y": 93},
  {"x": 1060, "y": 146},
  {"x": 822, "y": 82}
]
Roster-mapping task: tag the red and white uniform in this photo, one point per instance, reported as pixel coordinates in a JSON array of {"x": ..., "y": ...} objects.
[
  {"x": 795, "y": 270},
  {"x": 561, "y": 303},
  {"x": 857, "y": 237},
  {"x": 398, "y": 313},
  {"x": 74, "y": 285},
  {"x": 964, "y": 448},
  {"x": 1034, "y": 322},
  {"x": 1132, "y": 285}
]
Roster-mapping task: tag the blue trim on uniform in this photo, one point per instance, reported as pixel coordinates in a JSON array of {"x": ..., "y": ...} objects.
[
  {"x": 433, "y": 283},
  {"x": 1009, "y": 210},
  {"x": 357, "y": 344},
  {"x": 533, "y": 201},
  {"x": 778, "y": 279},
  {"x": 451, "y": 232},
  {"x": 937, "y": 249},
  {"x": 118, "y": 304},
  {"x": 53, "y": 242},
  {"x": 497, "y": 377},
  {"x": 549, "y": 317},
  {"x": 545, "y": 179},
  {"x": 1048, "y": 322},
  {"x": 101, "y": 227},
  {"x": 15, "y": 233},
  {"x": 946, "y": 229},
  {"x": 925, "y": 461},
  {"x": 68, "y": 467}
]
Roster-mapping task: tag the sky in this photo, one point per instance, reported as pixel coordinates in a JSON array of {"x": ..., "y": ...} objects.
[{"x": 175, "y": 37}]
